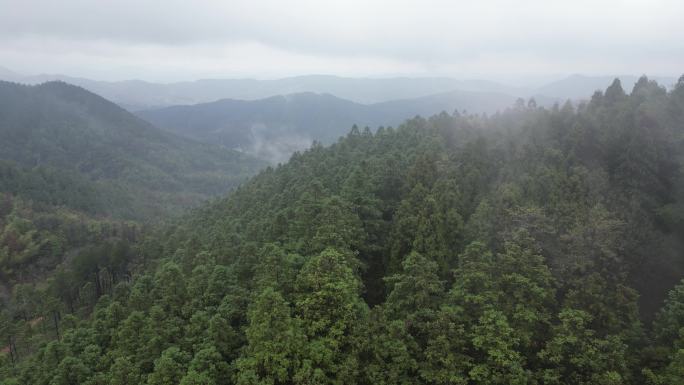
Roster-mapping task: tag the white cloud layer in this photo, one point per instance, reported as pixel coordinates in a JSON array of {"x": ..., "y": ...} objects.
[{"x": 173, "y": 39}]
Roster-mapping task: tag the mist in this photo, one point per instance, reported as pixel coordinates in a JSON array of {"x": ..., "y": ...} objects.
[{"x": 318, "y": 192}]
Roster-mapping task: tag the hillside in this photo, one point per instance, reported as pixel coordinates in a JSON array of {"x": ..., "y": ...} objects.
[
  {"x": 77, "y": 171},
  {"x": 275, "y": 127},
  {"x": 146, "y": 171},
  {"x": 535, "y": 246}
]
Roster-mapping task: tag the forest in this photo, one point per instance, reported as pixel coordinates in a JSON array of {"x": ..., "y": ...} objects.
[
  {"x": 531, "y": 246},
  {"x": 132, "y": 169},
  {"x": 77, "y": 171}
]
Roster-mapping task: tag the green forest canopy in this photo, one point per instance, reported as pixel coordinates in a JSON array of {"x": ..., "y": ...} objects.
[
  {"x": 77, "y": 170},
  {"x": 534, "y": 246}
]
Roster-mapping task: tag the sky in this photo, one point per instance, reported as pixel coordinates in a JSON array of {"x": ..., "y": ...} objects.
[{"x": 172, "y": 40}]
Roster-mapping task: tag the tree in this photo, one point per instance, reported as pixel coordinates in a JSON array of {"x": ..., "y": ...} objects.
[
  {"x": 277, "y": 269},
  {"x": 274, "y": 342},
  {"x": 123, "y": 372},
  {"x": 170, "y": 289},
  {"x": 71, "y": 371},
  {"x": 447, "y": 357},
  {"x": 575, "y": 355},
  {"x": 329, "y": 306},
  {"x": 388, "y": 352},
  {"x": 494, "y": 344},
  {"x": 670, "y": 319},
  {"x": 170, "y": 368},
  {"x": 207, "y": 368},
  {"x": 614, "y": 93},
  {"x": 428, "y": 223},
  {"x": 416, "y": 289},
  {"x": 516, "y": 282},
  {"x": 668, "y": 330}
]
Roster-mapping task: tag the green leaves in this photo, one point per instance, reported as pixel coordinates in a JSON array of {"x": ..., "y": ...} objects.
[
  {"x": 275, "y": 342},
  {"x": 331, "y": 311},
  {"x": 417, "y": 288},
  {"x": 575, "y": 355},
  {"x": 170, "y": 368},
  {"x": 514, "y": 249}
]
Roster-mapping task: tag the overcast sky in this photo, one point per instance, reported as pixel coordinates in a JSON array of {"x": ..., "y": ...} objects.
[{"x": 168, "y": 40}]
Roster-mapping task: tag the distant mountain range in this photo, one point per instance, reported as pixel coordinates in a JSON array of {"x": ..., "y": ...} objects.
[
  {"x": 274, "y": 127},
  {"x": 273, "y": 118},
  {"x": 138, "y": 95},
  {"x": 138, "y": 170}
]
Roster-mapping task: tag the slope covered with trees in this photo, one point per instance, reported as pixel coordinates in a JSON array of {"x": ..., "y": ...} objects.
[
  {"x": 150, "y": 172},
  {"x": 45, "y": 215},
  {"x": 534, "y": 246},
  {"x": 77, "y": 170}
]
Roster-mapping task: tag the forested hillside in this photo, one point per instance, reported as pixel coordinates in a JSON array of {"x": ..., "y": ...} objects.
[
  {"x": 153, "y": 172},
  {"x": 534, "y": 246},
  {"x": 76, "y": 170},
  {"x": 48, "y": 214}
]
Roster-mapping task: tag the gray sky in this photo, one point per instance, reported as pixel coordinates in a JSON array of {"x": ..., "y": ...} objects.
[{"x": 168, "y": 40}]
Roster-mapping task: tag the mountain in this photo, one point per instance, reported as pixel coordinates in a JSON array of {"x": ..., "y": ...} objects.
[
  {"x": 274, "y": 127},
  {"x": 534, "y": 246},
  {"x": 137, "y": 95},
  {"x": 7, "y": 74},
  {"x": 147, "y": 171}
]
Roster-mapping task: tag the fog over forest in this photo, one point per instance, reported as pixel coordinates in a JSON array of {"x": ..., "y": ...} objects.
[{"x": 341, "y": 192}]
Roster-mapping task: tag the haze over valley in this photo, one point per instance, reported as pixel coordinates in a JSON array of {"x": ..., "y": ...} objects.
[
  {"x": 341, "y": 192},
  {"x": 271, "y": 119}
]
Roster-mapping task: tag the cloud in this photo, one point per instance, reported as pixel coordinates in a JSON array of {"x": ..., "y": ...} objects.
[{"x": 277, "y": 38}]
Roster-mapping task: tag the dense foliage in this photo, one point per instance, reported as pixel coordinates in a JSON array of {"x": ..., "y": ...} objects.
[
  {"x": 534, "y": 246},
  {"x": 77, "y": 171}
]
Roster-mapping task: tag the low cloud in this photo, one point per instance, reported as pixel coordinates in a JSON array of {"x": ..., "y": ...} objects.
[{"x": 172, "y": 39}]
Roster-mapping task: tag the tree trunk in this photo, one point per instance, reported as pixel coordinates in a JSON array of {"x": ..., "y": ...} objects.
[{"x": 55, "y": 320}]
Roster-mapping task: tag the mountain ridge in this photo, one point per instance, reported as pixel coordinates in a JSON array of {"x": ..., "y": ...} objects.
[
  {"x": 137, "y": 95},
  {"x": 67, "y": 127},
  {"x": 274, "y": 127}
]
